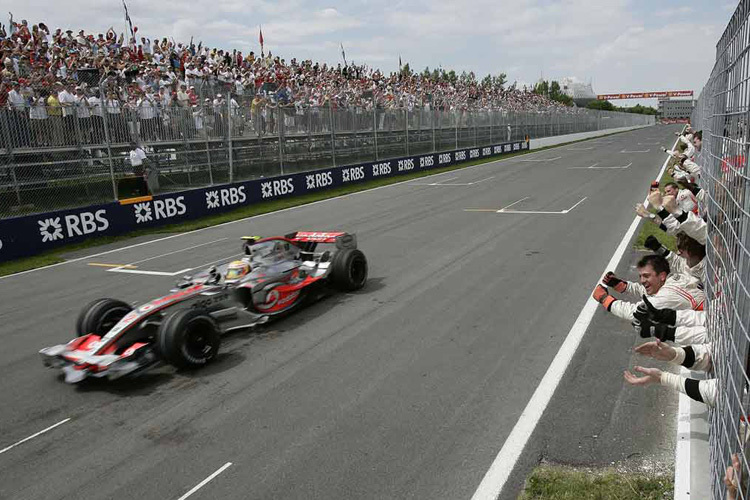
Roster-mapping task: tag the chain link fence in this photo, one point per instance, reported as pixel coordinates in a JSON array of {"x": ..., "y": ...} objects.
[
  {"x": 75, "y": 154},
  {"x": 723, "y": 114}
]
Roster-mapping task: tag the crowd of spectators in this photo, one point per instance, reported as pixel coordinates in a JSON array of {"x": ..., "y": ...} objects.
[
  {"x": 48, "y": 77},
  {"x": 666, "y": 305}
]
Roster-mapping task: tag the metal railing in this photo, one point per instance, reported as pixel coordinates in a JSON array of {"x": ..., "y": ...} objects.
[
  {"x": 723, "y": 115},
  {"x": 76, "y": 154}
]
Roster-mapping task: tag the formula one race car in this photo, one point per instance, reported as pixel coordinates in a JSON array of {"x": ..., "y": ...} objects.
[{"x": 184, "y": 328}]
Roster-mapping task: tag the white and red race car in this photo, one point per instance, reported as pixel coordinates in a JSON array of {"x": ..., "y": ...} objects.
[{"x": 184, "y": 328}]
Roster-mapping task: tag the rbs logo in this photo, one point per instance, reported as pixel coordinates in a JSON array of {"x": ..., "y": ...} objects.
[
  {"x": 58, "y": 228},
  {"x": 225, "y": 197},
  {"x": 269, "y": 189},
  {"x": 407, "y": 164},
  {"x": 353, "y": 174},
  {"x": 165, "y": 208},
  {"x": 381, "y": 169},
  {"x": 315, "y": 181},
  {"x": 426, "y": 161},
  {"x": 459, "y": 155}
]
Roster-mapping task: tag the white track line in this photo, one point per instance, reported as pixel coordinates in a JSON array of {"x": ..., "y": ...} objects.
[
  {"x": 176, "y": 251},
  {"x": 595, "y": 167},
  {"x": 148, "y": 273},
  {"x": 514, "y": 203},
  {"x": 682, "y": 448},
  {"x": 205, "y": 481},
  {"x": 297, "y": 207},
  {"x": 560, "y": 212},
  {"x": 637, "y": 151},
  {"x": 579, "y": 149},
  {"x": 543, "y": 160},
  {"x": 501, "y": 468},
  {"x": 33, "y": 436}
]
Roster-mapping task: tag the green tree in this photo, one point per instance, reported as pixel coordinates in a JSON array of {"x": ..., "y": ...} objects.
[
  {"x": 601, "y": 105},
  {"x": 499, "y": 80},
  {"x": 406, "y": 70}
]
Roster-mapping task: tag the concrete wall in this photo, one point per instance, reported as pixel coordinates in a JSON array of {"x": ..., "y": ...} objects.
[{"x": 560, "y": 139}]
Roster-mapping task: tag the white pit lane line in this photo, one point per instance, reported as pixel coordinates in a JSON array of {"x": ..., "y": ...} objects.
[
  {"x": 636, "y": 151},
  {"x": 8, "y": 448},
  {"x": 497, "y": 475},
  {"x": 206, "y": 481}
]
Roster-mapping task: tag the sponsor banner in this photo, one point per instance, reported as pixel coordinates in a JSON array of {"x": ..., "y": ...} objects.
[
  {"x": 646, "y": 95},
  {"x": 33, "y": 234}
]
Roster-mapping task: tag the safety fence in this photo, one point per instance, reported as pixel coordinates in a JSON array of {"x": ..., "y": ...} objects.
[
  {"x": 723, "y": 114},
  {"x": 62, "y": 156},
  {"x": 31, "y": 234}
]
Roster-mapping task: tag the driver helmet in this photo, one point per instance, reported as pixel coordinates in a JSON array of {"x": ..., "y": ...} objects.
[{"x": 237, "y": 270}]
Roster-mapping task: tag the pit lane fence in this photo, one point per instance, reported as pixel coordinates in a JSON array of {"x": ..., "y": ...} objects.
[{"x": 723, "y": 114}]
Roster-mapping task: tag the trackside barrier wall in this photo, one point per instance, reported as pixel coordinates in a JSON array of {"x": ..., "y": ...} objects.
[
  {"x": 723, "y": 115},
  {"x": 29, "y": 235},
  {"x": 562, "y": 139}
]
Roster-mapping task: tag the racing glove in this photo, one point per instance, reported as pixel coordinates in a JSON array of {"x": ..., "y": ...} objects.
[
  {"x": 646, "y": 327},
  {"x": 653, "y": 244},
  {"x": 665, "y": 316},
  {"x": 611, "y": 280},
  {"x": 602, "y": 296}
]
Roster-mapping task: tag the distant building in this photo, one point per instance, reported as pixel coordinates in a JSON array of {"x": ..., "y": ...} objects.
[
  {"x": 671, "y": 109},
  {"x": 582, "y": 93}
]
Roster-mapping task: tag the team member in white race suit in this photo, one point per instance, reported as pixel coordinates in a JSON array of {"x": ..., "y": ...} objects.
[{"x": 664, "y": 290}]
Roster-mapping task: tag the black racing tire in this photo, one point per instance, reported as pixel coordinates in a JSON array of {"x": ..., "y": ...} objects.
[
  {"x": 349, "y": 270},
  {"x": 189, "y": 338},
  {"x": 98, "y": 317}
]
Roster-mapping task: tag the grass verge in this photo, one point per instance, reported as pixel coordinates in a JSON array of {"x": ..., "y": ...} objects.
[
  {"x": 554, "y": 482},
  {"x": 56, "y": 256}
]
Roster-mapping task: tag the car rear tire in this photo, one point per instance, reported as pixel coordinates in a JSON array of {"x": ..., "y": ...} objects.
[
  {"x": 349, "y": 270},
  {"x": 189, "y": 338},
  {"x": 99, "y": 316}
]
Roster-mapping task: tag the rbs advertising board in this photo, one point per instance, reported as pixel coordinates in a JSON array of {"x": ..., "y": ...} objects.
[{"x": 33, "y": 234}]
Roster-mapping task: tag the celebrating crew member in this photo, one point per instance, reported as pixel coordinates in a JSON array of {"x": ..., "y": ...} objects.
[{"x": 665, "y": 289}]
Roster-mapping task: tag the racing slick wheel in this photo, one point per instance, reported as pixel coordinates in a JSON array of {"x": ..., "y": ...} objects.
[
  {"x": 99, "y": 316},
  {"x": 349, "y": 270},
  {"x": 189, "y": 338}
]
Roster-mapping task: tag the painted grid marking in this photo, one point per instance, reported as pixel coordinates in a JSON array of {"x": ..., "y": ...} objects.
[
  {"x": 445, "y": 183},
  {"x": 505, "y": 210},
  {"x": 596, "y": 166},
  {"x": 206, "y": 481},
  {"x": 7, "y": 448},
  {"x": 542, "y": 161}
]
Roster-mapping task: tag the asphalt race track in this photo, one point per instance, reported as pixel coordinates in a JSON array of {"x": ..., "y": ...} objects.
[{"x": 406, "y": 389}]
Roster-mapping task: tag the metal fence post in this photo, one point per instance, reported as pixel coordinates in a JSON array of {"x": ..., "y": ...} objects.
[
  {"x": 406, "y": 127},
  {"x": 280, "y": 138},
  {"x": 11, "y": 163},
  {"x": 432, "y": 122},
  {"x": 455, "y": 120},
  {"x": 375, "y": 128},
  {"x": 229, "y": 135},
  {"x": 103, "y": 109},
  {"x": 333, "y": 134}
]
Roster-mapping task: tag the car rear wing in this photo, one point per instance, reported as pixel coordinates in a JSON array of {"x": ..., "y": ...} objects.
[{"x": 341, "y": 239}]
